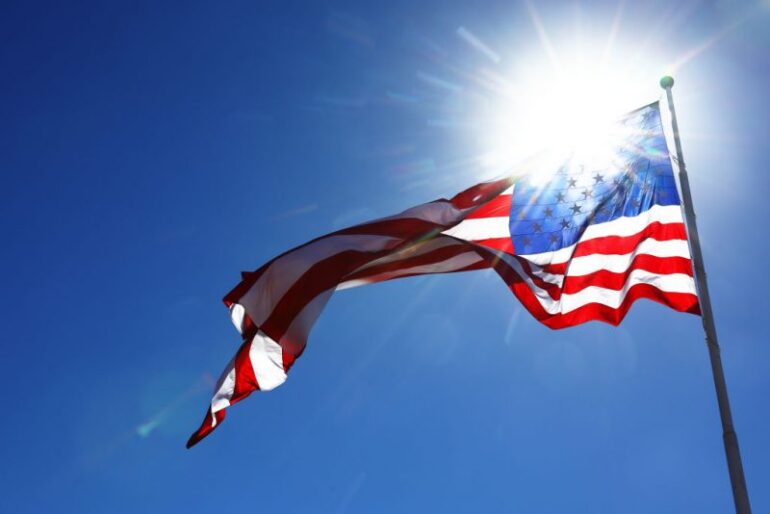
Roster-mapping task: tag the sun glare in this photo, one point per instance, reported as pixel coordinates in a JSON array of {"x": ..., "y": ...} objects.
[
  {"x": 558, "y": 98},
  {"x": 527, "y": 104},
  {"x": 571, "y": 110}
]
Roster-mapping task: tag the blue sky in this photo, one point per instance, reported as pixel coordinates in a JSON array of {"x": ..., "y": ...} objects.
[{"x": 151, "y": 151}]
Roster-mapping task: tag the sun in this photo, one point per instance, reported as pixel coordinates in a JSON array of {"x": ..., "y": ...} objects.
[
  {"x": 524, "y": 104},
  {"x": 567, "y": 110}
]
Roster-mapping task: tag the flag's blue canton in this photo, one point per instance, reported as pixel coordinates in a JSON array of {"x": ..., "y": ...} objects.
[{"x": 552, "y": 215}]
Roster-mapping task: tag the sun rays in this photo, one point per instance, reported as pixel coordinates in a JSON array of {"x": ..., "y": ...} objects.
[{"x": 563, "y": 91}]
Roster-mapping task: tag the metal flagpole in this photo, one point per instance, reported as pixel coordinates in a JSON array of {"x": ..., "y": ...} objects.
[{"x": 734, "y": 463}]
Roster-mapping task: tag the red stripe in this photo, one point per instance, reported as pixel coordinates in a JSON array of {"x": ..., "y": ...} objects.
[
  {"x": 289, "y": 359},
  {"x": 622, "y": 245},
  {"x": 245, "y": 380},
  {"x": 205, "y": 428},
  {"x": 248, "y": 328},
  {"x": 496, "y": 207},
  {"x": 554, "y": 269}
]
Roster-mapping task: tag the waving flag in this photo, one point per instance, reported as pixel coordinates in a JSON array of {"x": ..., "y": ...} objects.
[{"x": 580, "y": 242}]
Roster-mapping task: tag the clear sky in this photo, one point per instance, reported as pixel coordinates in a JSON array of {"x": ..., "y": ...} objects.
[{"x": 150, "y": 151}]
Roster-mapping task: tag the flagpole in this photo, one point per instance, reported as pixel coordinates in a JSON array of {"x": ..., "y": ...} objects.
[{"x": 734, "y": 463}]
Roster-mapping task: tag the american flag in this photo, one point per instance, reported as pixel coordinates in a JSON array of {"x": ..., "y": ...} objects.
[{"x": 579, "y": 243}]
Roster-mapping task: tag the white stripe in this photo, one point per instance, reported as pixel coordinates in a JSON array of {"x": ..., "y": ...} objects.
[
  {"x": 266, "y": 358},
  {"x": 224, "y": 391},
  {"x": 621, "y": 227},
  {"x": 237, "y": 313},
  {"x": 477, "y": 229}
]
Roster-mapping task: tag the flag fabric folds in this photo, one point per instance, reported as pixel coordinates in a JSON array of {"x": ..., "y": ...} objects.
[{"x": 579, "y": 243}]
